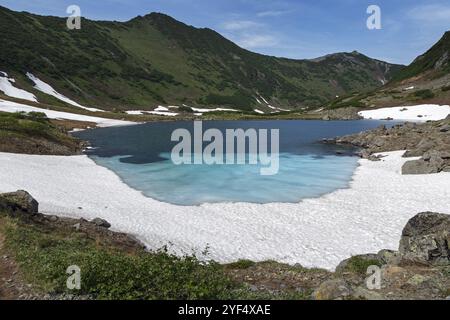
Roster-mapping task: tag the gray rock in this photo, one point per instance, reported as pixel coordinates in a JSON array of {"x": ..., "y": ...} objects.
[
  {"x": 445, "y": 128},
  {"x": 52, "y": 218},
  {"x": 332, "y": 290},
  {"x": 388, "y": 256},
  {"x": 19, "y": 201},
  {"x": 426, "y": 239},
  {"x": 101, "y": 223},
  {"x": 379, "y": 141},
  {"x": 421, "y": 167},
  {"x": 423, "y": 146}
]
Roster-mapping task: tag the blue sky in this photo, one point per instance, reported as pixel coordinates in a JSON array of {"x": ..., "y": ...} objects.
[{"x": 287, "y": 28}]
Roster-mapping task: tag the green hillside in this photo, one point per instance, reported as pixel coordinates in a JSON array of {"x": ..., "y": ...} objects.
[
  {"x": 435, "y": 61},
  {"x": 155, "y": 60},
  {"x": 425, "y": 80}
]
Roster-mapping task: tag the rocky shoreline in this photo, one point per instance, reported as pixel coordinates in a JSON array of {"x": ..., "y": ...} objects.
[
  {"x": 420, "y": 269},
  {"x": 429, "y": 141}
]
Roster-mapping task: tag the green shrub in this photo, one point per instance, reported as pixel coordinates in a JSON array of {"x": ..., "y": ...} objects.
[
  {"x": 359, "y": 265},
  {"x": 424, "y": 94},
  {"x": 113, "y": 274}
]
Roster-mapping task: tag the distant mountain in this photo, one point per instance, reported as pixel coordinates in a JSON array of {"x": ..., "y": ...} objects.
[
  {"x": 157, "y": 60},
  {"x": 425, "y": 80}
]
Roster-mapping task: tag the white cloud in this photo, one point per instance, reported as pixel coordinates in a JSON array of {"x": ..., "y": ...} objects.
[
  {"x": 257, "y": 41},
  {"x": 431, "y": 13},
  {"x": 238, "y": 25},
  {"x": 272, "y": 13}
]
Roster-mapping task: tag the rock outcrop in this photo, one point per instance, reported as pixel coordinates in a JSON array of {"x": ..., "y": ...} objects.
[
  {"x": 350, "y": 113},
  {"x": 426, "y": 239},
  {"x": 430, "y": 141},
  {"x": 18, "y": 202},
  {"x": 419, "y": 270}
]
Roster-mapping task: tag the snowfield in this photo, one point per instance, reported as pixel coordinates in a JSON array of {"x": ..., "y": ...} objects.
[
  {"x": 417, "y": 113},
  {"x": 320, "y": 232},
  {"x": 47, "y": 89},
  {"x": 8, "y": 106},
  {"x": 7, "y": 87}
]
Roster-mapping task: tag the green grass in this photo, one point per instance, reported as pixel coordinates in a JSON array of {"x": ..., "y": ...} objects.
[
  {"x": 359, "y": 265},
  {"x": 424, "y": 94},
  {"x": 33, "y": 124},
  {"x": 109, "y": 273}
]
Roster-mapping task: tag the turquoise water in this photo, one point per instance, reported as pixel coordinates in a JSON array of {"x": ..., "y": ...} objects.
[{"x": 140, "y": 155}]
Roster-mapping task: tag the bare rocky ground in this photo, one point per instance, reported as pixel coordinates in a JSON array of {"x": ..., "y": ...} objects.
[
  {"x": 429, "y": 141},
  {"x": 420, "y": 269}
]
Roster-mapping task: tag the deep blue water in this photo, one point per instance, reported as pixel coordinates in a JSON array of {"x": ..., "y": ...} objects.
[{"x": 140, "y": 155}]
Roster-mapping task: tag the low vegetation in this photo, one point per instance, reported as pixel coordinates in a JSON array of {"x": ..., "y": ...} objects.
[
  {"x": 33, "y": 133},
  {"x": 44, "y": 253}
]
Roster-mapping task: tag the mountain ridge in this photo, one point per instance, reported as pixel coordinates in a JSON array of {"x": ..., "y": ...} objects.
[
  {"x": 425, "y": 81},
  {"x": 156, "y": 60}
]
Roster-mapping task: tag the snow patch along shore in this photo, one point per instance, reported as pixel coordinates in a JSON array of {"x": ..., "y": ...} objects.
[
  {"x": 417, "y": 113},
  {"x": 47, "y": 89},
  {"x": 8, "y": 106},
  {"x": 321, "y": 232},
  {"x": 7, "y": 87}
]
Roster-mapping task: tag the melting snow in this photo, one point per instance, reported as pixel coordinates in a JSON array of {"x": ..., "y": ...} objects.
[
  {"x": 6, "y": 86},
  {"x": 417, "y": 113},
  {"x": 8, "y": 106},
  {"x": 321, "y": 232},
  {"x": 47, "y": 89}
]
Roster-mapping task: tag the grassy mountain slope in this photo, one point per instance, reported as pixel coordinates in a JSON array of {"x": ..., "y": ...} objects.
[
  {"x": 155, "y": 60},
  {"x": 425, "y": 80}
]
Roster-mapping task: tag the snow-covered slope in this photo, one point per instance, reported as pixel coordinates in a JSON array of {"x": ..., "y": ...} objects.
[
  {"x": 8, "y": 88},
  {"x": 8, "y": 106},
  {"x": 47, "y": 89}
]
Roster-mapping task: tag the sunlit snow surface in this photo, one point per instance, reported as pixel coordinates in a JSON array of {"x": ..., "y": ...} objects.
[
  {"x": 8, "y": 106},
  {"x": 47, "y": 89},
  {"x": 417, "y": 113},
  {"x": 318, "y": 232},
  {"x": 8, "y": 88}
]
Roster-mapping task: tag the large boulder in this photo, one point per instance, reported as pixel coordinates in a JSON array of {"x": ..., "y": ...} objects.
[
  {"x": 18, "y": 202},
  {"x": 426, "y": 239},
  {"x": 421, "y": 167},
  {"x": 431, "y": 162},
  {"x": 423, "y": 146}
]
